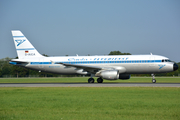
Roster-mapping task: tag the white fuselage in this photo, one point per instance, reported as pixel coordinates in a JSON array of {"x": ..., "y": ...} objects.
[{"x": 128, "y": 64}]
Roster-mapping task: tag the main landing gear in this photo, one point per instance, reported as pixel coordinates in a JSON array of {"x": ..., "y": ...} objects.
[
  {"x": 99, "y": 80},
  {"x": 153, "y": 78}
]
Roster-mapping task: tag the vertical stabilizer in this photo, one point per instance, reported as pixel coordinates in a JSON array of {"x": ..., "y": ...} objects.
[{"x": 23, "y": 47}]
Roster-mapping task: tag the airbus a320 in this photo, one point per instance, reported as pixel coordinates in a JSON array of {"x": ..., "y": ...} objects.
[{"x": 111, "y": 67}]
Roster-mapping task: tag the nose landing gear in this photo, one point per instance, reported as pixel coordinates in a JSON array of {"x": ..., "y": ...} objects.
[{"x": 153, "y": 78}]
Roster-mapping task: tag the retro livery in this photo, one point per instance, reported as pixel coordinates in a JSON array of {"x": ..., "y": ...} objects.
[{"x": 111, "y": 67}]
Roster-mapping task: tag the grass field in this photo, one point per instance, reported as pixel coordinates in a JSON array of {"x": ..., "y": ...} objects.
[
  {"x": 84, "y": 80},
  {"x": 132, "y": 103}
]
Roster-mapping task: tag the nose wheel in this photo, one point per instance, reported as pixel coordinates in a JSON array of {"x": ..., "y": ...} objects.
[{"x": 153, "y": 80}]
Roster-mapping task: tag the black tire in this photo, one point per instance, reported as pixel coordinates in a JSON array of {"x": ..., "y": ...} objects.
[
  {"x": 154, "y": 81},
  {"x": 100, "y": 80},
  {"x": 90, "y": 80}
]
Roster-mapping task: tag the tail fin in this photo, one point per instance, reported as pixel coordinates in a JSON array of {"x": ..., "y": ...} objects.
[{"x": 23, "y": 47}]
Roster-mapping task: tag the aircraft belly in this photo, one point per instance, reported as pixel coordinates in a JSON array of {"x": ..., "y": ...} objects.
[
  {"x": 59, "y": 69},
  {"x": 34, "y": 67}
]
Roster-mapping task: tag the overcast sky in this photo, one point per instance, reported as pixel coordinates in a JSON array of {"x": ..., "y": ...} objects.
[{"x": 95, "y": 27}]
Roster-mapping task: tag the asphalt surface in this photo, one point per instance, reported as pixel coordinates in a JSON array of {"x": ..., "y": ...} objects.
[{"x": 89, "y": 84}]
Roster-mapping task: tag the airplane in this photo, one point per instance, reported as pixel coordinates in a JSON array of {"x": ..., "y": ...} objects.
[{"x": 110, "y": 67}]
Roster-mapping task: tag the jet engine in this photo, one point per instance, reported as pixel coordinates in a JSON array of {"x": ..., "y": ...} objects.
[
  {"x": 109, "y": 74},
  {"x": 124, "y": 76}
]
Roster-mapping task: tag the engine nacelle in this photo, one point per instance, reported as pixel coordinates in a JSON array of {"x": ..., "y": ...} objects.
[
  {"x": 109, "y": 74},
  {"x": 124, "y": 76}
]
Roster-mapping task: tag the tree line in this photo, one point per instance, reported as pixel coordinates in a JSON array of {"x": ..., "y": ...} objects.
[{"x": 8, "y": 70}]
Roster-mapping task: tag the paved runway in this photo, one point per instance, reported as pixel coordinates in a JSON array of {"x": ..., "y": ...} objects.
[{"x": 89, "y": 85}]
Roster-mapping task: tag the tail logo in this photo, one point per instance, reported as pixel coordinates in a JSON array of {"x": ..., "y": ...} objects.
[{"x": 19, "y": 42}]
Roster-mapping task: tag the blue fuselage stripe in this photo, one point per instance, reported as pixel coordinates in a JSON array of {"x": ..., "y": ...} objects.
[
  {"x": 99, "y": 62},
  {"x": 35, "y": 63},
  {"x": 26, "y": 49},
  {"x": 18, "y": 36}
]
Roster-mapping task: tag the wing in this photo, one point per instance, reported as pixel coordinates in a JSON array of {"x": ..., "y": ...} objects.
[
  {"x": 95, "y": 69},
  {"x": 91, "y": 69}
]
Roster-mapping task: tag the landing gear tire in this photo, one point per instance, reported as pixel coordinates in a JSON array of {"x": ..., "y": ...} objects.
[
  {"x": 91, "y": 80},
  {"x": 100, "y": 80},
  {"x": 154, "y": 81}
]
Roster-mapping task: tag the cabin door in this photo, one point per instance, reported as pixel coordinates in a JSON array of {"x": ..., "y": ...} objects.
[
  {"x": 152, "y": 62},
  {"x": 41, "y": 65}
]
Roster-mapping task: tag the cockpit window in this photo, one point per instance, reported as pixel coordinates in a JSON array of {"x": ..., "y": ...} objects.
[
  {"x": 166, "y": 60},
  {"x": 169, "y": 61}
]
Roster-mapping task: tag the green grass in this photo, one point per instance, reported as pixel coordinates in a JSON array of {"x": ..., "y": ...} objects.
[
  {"x": 132, "y": 103},
  {"x": 84, "y": 80}
]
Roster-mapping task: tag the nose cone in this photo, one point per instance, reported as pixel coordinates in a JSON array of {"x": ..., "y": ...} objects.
[{"x": 175, "y": 66}]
